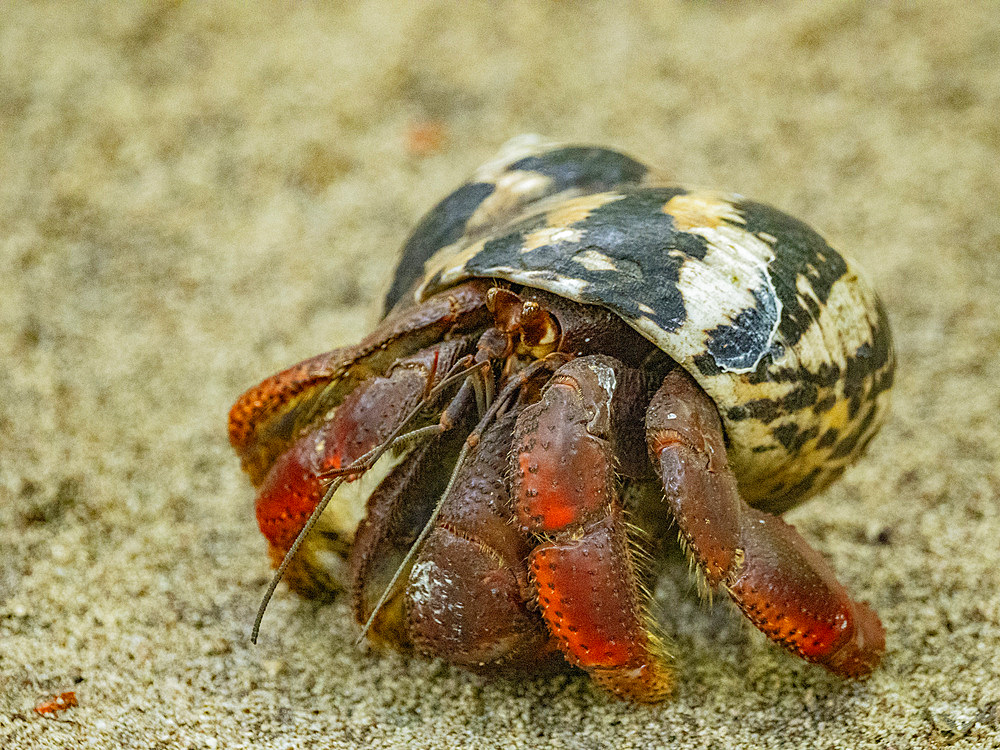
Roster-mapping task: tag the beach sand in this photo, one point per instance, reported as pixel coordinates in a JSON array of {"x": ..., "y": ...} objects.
[{"x": 195, "y": 195}]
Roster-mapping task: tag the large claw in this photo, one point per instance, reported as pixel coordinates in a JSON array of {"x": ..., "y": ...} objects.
[
  {"x": 268, "y": 418},
  {"x": 584, "y": 567}
]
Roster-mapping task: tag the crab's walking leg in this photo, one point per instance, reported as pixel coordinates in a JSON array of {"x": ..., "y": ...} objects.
[
  {"x": 585, "y": 570},
  {"x": 297, "y": 480},
  {"x": 267, "y": 418},
  {"x": 395, "y": 514},
  {"x": 782, "y": 585}
]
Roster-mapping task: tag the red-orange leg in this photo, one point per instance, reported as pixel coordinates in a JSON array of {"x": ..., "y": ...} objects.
[
  {"x": 584, "y": 568},
  {"x": 267, "y": 418},
  {"x": 783, "y": 585},
  {"x": 297, "y": 480}
]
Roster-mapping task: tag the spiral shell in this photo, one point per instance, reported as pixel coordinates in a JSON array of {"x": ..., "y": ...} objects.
[{"x": 780, "y": 329}]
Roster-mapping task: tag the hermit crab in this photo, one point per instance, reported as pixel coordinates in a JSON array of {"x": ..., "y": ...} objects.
[{"x": 579, "y": 362}]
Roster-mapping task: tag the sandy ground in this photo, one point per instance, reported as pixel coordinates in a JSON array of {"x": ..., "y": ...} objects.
[{"x": 195, "y": 195}]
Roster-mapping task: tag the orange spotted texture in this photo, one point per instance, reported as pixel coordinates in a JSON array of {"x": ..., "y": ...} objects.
[
  {"x": 588, "y": 598},
  {"x": 290, "y": 492},
  {"x": 564, "y": 473},
  {"x": 295, "y": 484},
  {"x": 256, "y": 429},
  {"x": 790, "y": 593}
]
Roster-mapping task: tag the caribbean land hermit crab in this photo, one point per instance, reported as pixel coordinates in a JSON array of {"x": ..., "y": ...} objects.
[{"x": 576, "y": 356}]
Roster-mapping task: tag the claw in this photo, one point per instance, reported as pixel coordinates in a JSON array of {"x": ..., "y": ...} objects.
[
  {"x": 268, "y": 418},
  {"x": 298, "y": 478},
  {"x": 585, "y": 569}
]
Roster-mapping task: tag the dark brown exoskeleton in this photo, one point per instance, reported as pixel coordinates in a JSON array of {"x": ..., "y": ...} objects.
[{"x": 478, "y": 456}]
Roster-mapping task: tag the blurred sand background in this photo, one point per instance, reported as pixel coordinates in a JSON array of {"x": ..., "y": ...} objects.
[{"x": 194, "y": 195}]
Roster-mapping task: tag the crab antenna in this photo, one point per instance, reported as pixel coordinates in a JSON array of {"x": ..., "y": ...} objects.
[
  {"x": 280, "y": 572},
  {"x": 363, "y": 463}
]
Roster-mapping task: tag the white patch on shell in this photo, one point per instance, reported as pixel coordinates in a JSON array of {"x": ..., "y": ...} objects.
[
  {"x": 561, "y": 285},
  {"x": 450, "y": 260},
  {"x": 838, "y": 331},
  {"x": 519, "y": 183},
  {"x": 594, "y": 260},
  {"x": 566, "y": 234},
  {"x": 515, "y": 149},
  {"x": 549, "y": 236},
  {"x": 721, "y": 286},
  {"x": 513, "y": 190}
]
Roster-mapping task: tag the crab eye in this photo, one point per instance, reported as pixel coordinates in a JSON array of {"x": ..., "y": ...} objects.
[
  {"x": 491, "y": 298},
  {"x": 506, "y": 308},
  {"x": 540, "y": 331}
]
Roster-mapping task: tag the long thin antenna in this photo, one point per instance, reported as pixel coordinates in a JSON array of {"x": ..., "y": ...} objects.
[{"x": 276, "y": 578}]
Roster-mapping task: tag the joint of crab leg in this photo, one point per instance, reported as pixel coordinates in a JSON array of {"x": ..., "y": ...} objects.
[
  {"x": 407, "y": 560},
  {"x": 398, "y": 438},
  {"x": 784, "y": 587},
  {"x": 365, "y": 462},
  {"x": 509, "y": 391},
  {"x": 565, "y": 465},
  {"x": 394, "y": 515},
  {"x": 704, "y": 504},
  {"x": 303, "y": 583},
  {"x": 369, "y": 419},
  {"x": 590, "y": 600}
]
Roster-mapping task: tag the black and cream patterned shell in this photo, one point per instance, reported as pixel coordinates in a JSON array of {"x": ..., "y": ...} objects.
[{"x": 779, "y": 328}]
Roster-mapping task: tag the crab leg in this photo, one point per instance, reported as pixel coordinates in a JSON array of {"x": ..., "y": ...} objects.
[
  {"x": 395, "y": 514},
  {"x": 267, "y": 418},
  {"x": 782, "y": 584},
  {"x": 297, "y": 480},
  {"x": 585, "y": 569}
]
